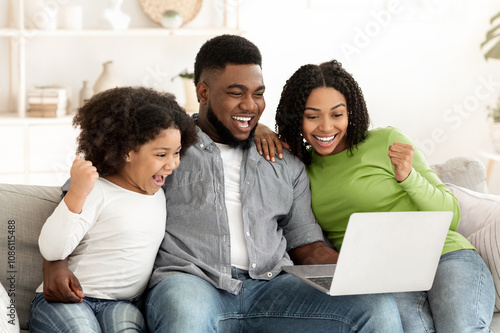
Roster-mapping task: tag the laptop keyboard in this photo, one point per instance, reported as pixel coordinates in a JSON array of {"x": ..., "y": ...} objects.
[{"x": 324, "y": 281}]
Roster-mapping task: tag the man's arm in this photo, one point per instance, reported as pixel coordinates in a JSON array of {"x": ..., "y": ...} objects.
[
  {"x": 60, "y": 284},
  {"x": 314, "y": 253}
]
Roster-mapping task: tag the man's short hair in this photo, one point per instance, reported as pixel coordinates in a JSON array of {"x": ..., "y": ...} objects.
[{"x": 222, "y": 50}]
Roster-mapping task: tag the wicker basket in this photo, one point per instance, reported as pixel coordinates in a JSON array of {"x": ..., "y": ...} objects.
[{"x": 154, "y": 9}]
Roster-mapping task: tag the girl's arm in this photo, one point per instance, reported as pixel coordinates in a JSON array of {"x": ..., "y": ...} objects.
[
  {"x": 83, "y": 177},
  {"x": 70, "y": 221}
]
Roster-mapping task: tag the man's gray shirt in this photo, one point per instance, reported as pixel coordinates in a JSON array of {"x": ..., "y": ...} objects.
[{"x": 276, "y": 209}]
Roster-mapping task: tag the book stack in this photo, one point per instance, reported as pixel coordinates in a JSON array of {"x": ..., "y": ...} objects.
[{"x": 47, "y": 102}]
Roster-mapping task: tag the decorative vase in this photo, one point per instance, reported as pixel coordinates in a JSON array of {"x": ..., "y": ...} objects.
[
  {"x": 495, "y": 135},
  {"x": 108, "y": 78},
  {"x": 72, "y": 17},
  {"x": 114, "y": 16},
  {"x": 85, "y": 93},
  {"x": 191, "y": 105}
]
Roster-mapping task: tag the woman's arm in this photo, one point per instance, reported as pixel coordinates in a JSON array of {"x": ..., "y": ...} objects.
[
  {"x": 422, "y": 184},
  {"x": 401, "y": 156},
  {"x": 268, "y": 143}
]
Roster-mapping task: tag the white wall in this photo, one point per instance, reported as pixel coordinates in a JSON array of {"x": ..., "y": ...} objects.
[{"x": 418, "y": 62}]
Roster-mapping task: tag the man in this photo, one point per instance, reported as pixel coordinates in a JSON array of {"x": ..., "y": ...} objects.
[{"x": 234, "y": 219}]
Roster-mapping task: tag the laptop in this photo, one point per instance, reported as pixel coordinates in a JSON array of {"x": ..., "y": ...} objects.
[{"x": 382, "y": 253}]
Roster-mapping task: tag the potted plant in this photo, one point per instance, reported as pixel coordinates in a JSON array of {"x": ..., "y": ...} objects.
[
  {"x": 191, "y": 105},
  {"x": 494, "y": 114},
  {"x": 492, "y": 42},
  {"x": 185, "y": 74},
  {"x": 491, "y": 47}
]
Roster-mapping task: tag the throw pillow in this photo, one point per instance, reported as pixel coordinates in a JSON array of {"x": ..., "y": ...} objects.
[
  {"x": 480, "y": 224},
  {"x": 468, "y": 172}
]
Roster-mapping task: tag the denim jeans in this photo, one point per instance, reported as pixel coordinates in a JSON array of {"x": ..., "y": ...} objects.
[
  {"x": 186, "y": 303},
  {"x": 462, "y": 297},
  {"x": 92, "y": 315}
]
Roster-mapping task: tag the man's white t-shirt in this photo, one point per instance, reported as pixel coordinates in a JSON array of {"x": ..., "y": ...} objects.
[{"x": 232, "y": 167}]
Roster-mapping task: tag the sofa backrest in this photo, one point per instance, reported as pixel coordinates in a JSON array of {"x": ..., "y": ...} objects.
[{"x": 23, "y": 211}]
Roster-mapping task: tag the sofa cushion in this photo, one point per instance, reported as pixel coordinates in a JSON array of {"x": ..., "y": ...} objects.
[
  {"x": 480, "y": 224},
  {"x": 468, "y": 172},
  {"x": 24, "y": 209}
]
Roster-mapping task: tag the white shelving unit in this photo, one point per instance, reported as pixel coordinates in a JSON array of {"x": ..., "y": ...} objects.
[
  {"x": 40, "y": 150},
  {"x": 19, "y": 35},
  {"x": 8, "y": 32},
  {"x": 36, "y": 150}
]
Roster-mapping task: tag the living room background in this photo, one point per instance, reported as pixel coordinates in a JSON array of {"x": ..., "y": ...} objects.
[{"x": 419, "y": 63}]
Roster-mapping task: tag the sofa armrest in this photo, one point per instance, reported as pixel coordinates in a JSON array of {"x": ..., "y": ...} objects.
[
  {"x": 23, "y": 211},
  {"x": 465, "y": 177}
]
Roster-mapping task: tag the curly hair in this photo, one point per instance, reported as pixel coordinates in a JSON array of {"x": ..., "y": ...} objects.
[
  {"x": 219, "y": 51},
  {"x": 116, "y": 121},
  {"x": 298, "y": 87}
]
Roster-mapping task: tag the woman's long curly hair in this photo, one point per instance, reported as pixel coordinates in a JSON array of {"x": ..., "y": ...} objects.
[
  {"x": 119, "y": 120},
  {"x": 290, "y": 111}
]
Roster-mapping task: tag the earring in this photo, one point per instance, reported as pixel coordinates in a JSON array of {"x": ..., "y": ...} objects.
[{"x": 127, "y": 158}]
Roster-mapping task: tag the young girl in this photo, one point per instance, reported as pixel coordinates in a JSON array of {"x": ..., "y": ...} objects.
[
  {"x": 323, "y": 118},
  {"x": 111, "y": 222}
]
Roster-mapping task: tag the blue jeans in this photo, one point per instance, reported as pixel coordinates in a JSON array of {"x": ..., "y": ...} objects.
[
  {"x": 462, "y": 297},
  {"x": 186, "y": 303},
  {"x": 92, "y": 315}
]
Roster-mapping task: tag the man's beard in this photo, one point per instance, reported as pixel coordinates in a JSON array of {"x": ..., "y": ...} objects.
[{"x": 226, "y": 135}]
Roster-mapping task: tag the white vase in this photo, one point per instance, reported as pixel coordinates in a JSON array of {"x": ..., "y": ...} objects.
[
  {"x": 41, "y": 14},
  {"x": 114, "y": 16},
  {"x": 85, "y": 93},
  {"x": 72, "y": 17},
  {"x": 108, "y": 78},
  {"x": 191, "y": 105}
]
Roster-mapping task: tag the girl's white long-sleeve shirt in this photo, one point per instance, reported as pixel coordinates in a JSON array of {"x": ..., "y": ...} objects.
[{"x": 111, "y": 244}]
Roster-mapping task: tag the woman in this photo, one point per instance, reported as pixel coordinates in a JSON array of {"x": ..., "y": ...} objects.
[{"x": 322, "y": 117}]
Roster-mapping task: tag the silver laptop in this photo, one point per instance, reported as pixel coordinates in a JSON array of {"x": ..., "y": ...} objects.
[{"x": 382, "y": 253}]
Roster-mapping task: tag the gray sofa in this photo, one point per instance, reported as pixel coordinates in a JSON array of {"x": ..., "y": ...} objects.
[{"x": 24, "y": 209}]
